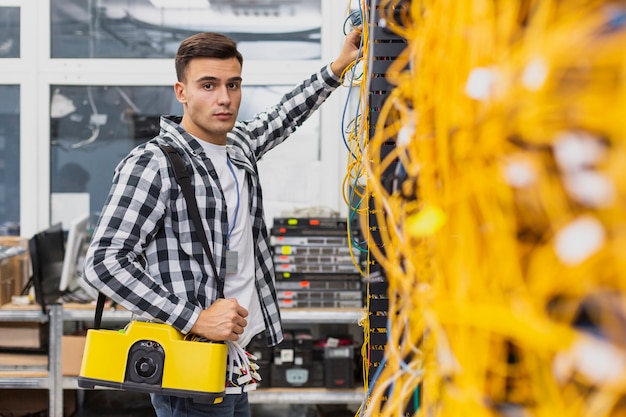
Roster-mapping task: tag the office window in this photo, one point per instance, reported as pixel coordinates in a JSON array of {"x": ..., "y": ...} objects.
[
  {"x": 268, "y": 30},
  {"x": 9, "y": 159},
  {"x": 9, "y": 32},
  {"x": 93, "y": 127},
  {"x": 304, "y": 145}
]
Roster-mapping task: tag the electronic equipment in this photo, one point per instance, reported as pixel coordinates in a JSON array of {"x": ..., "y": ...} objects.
[
  {"x": 75, "y": 237},
  {"x": 293, "y": 364},
  {"x": 316, "y": 268},
  {"x": 308, "y": 223},
  {"x": 307, "y": 231},
  {"x": 314, "y": 250},
  {"x": 315, "y": 265},
  {"x": 288, "y": 375},
  {"x": 314, "y": 276},
  {"x": 318, "y": 303},
  {"x": 286, "y": 284},
  {"x": 47, "y": 252},
  {"x": 154, "y": 358},
  {"x": 280, "y": 240},
  {"x": 314, "y": 259},
  {"x": 339, "y": 366}
]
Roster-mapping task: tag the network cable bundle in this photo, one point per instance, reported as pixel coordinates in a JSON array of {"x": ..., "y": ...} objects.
[
  {"x": 501, "y": 229},
  {"x": 315, "y": 265}
]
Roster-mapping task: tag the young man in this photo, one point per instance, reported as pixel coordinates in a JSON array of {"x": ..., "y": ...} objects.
[{"x": 145, "y": 253}]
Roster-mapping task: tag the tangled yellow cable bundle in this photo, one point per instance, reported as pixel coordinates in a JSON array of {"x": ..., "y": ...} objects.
[{"x": 504, "y": 243}]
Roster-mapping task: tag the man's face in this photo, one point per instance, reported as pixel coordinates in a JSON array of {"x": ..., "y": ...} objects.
[{"x": 210, "y": 95}]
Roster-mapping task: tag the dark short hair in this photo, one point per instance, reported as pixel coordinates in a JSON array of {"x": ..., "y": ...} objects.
[{"x": 205, "y": 45}]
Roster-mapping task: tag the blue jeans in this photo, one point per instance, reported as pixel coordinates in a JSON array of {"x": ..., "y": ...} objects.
[{"x": 233, "y": 405}]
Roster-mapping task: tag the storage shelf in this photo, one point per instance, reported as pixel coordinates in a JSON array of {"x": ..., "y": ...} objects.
[
  {"x": 25, "y": 380},
  {"x": 281, "y": 395},
  {"x": 322, "y": 315},
  {"x": 295, "y": 315},
  {"x": 86, "y": 313},
  {"x": 33, "y": 314},
  {"x": 306, "y": 396},
  {"x": 55, "y": 383},
  {"x": 34, "y": 379}
]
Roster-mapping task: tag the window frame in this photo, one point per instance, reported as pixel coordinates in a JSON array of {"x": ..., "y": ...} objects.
[{"x": 35, "y": 72}]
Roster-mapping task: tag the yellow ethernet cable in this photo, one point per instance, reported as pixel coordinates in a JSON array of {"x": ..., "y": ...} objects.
[{"x": 504, "y": 241}]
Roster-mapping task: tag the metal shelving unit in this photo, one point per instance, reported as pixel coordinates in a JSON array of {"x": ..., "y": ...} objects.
[
  {"x": 267, "y": 395},
  {"x": 55, "y": 383},
  {"x": 50, "y": 380},
  {"x": 306, "y": 396},
  {"x": 295, "y": 315}
]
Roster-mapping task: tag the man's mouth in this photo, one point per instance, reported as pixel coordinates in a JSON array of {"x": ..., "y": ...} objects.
[{"x": 223, "y": 116}]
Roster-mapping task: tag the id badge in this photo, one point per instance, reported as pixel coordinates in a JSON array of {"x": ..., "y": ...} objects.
[{"x": 231, "y": 261}]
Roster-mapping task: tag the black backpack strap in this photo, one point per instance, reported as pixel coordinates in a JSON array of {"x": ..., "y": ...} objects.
[{"x": 184, "y": 180}]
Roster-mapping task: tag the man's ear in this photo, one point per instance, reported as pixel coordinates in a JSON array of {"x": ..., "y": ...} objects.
[{"x": 179, "y": 90}]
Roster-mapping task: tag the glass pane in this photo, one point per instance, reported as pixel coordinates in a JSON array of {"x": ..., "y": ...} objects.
[
  {"x": 93, "y": 128},
  {"x": 9, "y": 32},
  {"x": 303, "y": 145},
  {"x": 270, "y": 30},
  {"x": 9, "y": 159}
]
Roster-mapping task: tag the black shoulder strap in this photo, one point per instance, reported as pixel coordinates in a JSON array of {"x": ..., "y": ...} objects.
[{"x": 184, "y": 180}]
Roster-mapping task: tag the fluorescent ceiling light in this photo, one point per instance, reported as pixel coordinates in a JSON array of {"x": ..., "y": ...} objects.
[{"x": 180, "y": 4}]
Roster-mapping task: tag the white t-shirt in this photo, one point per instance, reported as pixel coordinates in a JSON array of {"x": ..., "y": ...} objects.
[{"x": 240, "y": 285}]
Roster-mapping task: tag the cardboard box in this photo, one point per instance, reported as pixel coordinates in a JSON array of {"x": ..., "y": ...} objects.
[
  {"x": 23, "y": 336},
  {"x": 21, "y": 402},
  {"x": 14, "y": 270},
  {"x": 72, "y": 348},
  {"x": 25, "y": 363}
]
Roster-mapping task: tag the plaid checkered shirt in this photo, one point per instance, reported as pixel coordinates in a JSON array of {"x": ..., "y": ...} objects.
[{"x": 143, "y": 254}]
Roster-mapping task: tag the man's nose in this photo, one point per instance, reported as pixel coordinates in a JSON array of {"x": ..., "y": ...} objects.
[{"x": 224, "y": 96}]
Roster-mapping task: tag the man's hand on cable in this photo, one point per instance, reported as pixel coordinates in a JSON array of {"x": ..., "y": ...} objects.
[
  {"x": 349, "y": 52},
  {"x": 225, "y": 319}
]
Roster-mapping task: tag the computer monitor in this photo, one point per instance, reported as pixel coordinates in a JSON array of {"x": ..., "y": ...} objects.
[
  {"x": 47, "y": 252},
  {"x": 75, "y": 238}
]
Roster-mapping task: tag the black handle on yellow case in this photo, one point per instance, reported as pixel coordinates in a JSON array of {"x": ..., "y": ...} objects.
[{"x": 99, "y": 309}]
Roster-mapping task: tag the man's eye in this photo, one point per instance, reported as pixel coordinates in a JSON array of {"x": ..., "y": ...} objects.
[
  {"x": 233, "y": 86},
  {"x": 208, "y": 86}
]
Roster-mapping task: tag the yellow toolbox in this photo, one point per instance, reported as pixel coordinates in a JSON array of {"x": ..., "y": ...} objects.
[{"x": 155, "y": 358}]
